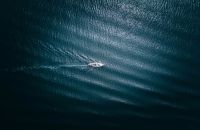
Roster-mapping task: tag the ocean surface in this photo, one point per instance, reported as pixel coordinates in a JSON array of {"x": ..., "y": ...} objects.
[{"x": 151, "y": 55}]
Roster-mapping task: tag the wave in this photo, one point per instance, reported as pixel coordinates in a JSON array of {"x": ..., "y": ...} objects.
[{"x": 150, "y": 50}]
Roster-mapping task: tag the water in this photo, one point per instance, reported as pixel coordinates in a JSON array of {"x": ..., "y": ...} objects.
[{"x": 150, "y": 50}]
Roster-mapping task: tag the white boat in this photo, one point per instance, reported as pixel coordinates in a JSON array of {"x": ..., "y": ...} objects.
[{"x": 96, "y": 64}]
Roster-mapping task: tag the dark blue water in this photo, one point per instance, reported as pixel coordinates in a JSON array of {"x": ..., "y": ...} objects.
[{"x": 151, "y": 76}]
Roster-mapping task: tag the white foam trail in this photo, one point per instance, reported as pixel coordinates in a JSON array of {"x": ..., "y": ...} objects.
[
  {"x": 26, "y": 68},
  {"x": 53, "y": 67},
  {"x": 63, "y": 66}
]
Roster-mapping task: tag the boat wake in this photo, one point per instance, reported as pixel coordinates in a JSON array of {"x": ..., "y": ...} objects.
[{"x": 26, "y": 68}]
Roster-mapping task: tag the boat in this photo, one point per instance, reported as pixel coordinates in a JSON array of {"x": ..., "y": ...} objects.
[{"x": 96, "y": 64}]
